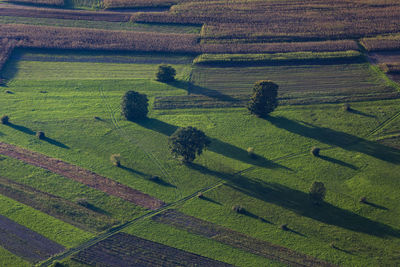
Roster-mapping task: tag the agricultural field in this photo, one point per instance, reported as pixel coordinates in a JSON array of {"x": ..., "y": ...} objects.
[{"x": 80, "y": 185}]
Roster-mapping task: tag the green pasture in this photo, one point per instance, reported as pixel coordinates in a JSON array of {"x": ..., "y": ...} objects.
[
  {"x": 9, "y": 259},
  {"x": 63, "y": 98}
]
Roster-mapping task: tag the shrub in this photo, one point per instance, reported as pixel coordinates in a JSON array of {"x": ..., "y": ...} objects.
[
  {"x": 346, "y": 107},
  {"x": 238, "y": 209},
  {"x": 284, "y": 227},
  {"x": 317, "y": 192},
  {"x": 250, "y": 152},
  {"x": 116, "y": 160},
  {"x": 363, "y": 199},
  {"x": 187, "y": 142},
  {"x": 40, "y": 135},
  {"x": 264, "y": 99},
  {"x": 165, "y": 73},
  {"x": 83, "y": 202},
  {"x": 5, "y": 119},
  {"x": 8, "y": 92},
  {"x": 134, "y": 106},
  {"x": 200, "y": 195},
  {"x": 154, "y": 178},
  {"x": 315, "y": 151}
]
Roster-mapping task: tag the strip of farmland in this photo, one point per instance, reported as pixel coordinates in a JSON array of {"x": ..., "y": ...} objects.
[
  {"x": 127, "y": 250},
  {"x": 237, "y": 240},
  {"x": 81, "y": 175},
  {"x": 6, "y": 48},
  {"x": 57, "y": 207},
  {"x": 26, "y": 243}
]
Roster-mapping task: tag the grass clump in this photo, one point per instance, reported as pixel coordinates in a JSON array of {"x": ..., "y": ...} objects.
[
  {"x": 250, "y": 152},
  {"x": 238, "y": 209},
  {"x": 116, "y": 160}
]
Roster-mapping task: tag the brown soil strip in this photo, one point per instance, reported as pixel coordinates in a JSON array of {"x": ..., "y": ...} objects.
[
  {"x": 128, "y": 250},
  {"x": 26, "y": 243},
  {"x": 237, "y": 240},
  {"x": 69, "y": 212},
  {"x": 81, "y": 175}
]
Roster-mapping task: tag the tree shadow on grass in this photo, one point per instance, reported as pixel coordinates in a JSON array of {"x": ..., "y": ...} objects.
[
  {"x": 199, "y": 90},
  {"x": 210, "y": 200},
  {"x": 21, "y": 128},
  {"x": 216, "y": 146},
  {"x": 162, "y": 182},
  {"x": 134, "y": 171},
  {"x": 55, "y": 142},
  {"x": 299, "y": 202},
  {"x": 375, "y": 205},
  {"x": 339, "y": 139},
  {"x": 339, "y": 162},
  {"x": 361, "y": 113}
]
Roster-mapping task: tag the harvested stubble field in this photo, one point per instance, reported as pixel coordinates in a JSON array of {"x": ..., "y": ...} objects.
[
  {"x": 86, "y": 177},
  {"x": 381, "y": 43},
  {"x": 236, "y": 239},
  {"x": 299, "y": 84},
  {"x": 128, "y": 250},
  {"x": 82, "y": 215},
  {"x": 26, "y": 243}
]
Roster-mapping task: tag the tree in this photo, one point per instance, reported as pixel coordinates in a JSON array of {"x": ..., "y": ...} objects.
[
  {"x": 317, "y": 192},
  {"x": 165, "y": 73},
  {"x": 187, "y": 142},
  {"x": 264, "y": 99},
  {"x": 134, "y": 106}
]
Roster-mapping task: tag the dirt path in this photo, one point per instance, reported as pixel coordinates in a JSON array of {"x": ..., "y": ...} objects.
[{"x": 81, "y": 175}]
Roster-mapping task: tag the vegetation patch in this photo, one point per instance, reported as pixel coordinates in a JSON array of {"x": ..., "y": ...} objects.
[
  {"x": 81, "y": 175},
  {"x": 236, "y": 239},
  {"x": 26, "y": 243},
  {"x": 127, "y": 250}
]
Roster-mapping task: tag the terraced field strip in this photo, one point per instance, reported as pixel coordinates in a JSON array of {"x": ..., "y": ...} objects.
[
  {"x": 127, "y": 250},
  {"x": 57, "y": 207},
  {"x": 28, "y": 11},
  {"x": 81, "y": 175},
  {"x": 6, "y": 48},
  {"x": 213, "y": 87},
  {"x": 236, "y": 239},
  {"x": 26, "y": 243}
]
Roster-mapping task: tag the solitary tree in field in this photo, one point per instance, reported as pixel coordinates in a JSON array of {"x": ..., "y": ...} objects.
[
  {"x": 264, "y": 99},
  {"x": 188, "y": 142},
  {"x": 317, "y": 192},
  {"x": 165, "y": 73},
  {"x": 134, "y": 106}
]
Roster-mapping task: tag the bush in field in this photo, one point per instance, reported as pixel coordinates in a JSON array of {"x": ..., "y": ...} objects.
[
  {"x": 40, "y": 135},
  {"x": 284, "y": 227},
  {"x": 5, "y": 119},
  {"x": 250, "y": 152},
  {"x": 134, "y": 106},
  {"x": 315, "y": 151},
  {"x": 187, "y": 142},
  {"x": 238, "y": 209},
  {"x": 346, "y": 107},
  {"x": 116, "y": 160},
  {"x": 165, "y": 73},
  {"x": 264, "y": 99},
  {"x": 317, "y": 192},
  {"x": 82, "y": 201}
]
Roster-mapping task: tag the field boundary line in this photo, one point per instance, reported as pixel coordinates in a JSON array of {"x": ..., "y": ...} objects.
[{"x": 384, "y": 124}]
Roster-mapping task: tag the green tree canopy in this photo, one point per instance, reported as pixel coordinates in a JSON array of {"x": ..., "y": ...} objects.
[
  {"x": 264, "y": 99},
  {"x": 317, "y": 191},
  {"x": 134, "y": 106},
  {"x": 165, "y": 73},
  {"x": 187, "y": 142}
]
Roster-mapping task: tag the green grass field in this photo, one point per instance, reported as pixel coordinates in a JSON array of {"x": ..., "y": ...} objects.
[{"x": 62, "y": 98}]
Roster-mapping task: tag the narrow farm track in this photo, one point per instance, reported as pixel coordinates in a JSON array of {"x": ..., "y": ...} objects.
[
  {"x": 81, "y": 175},
  {"x": 384, "y": 124}
]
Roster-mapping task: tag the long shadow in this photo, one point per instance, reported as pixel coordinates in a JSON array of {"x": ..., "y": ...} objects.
[
  {"x": 299, "y": 202},
  {"x": 210, "y": 200},
  {"x": 133, "y": 171},
  {"x": 21, "y": 128},
  {"x": 97, "y": 209},
  {"x": 216, "y": 145},
  {"x": 162, "y": 182},
  {"x": 375, "y": 205},
  {"x": 361, "y": 113},
  {"x": 55, "y": 142},
  {"x": 199, "y": 90},
  {"x": 339, "y": 162},
  {"x": 339, "y": 139}
]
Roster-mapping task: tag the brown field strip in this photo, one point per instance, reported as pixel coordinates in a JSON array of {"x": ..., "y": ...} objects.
[
  {"x": 127, "y": 250},
  {"x": 81, "y": 175},
  {"x": 26, "y": 243},
  {"x": 40, "y": 12},
  {"x": 39, "y": 2},
  {"x": 57, "y": 207},
  {"x": 237, "y": 239},
  {"x": 381, "y": 43},
  {"x": 6, "y": 48}
]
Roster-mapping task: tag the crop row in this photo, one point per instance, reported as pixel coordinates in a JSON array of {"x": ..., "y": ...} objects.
[
  {"x": 26, "y": 243},
  {"x": 382, "y": 43},
  {"x": 81, "y": 175},
  {"x": 75, "y": 214},
  {"x": 128, "y": 250},
  {"x": 29, "y": 11},
  {"x": 78, "y": 38},
  {"x": 293, "y": 20},
  {"x": 40, "y": 2},
  {"x": 236, "y": 239}
]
